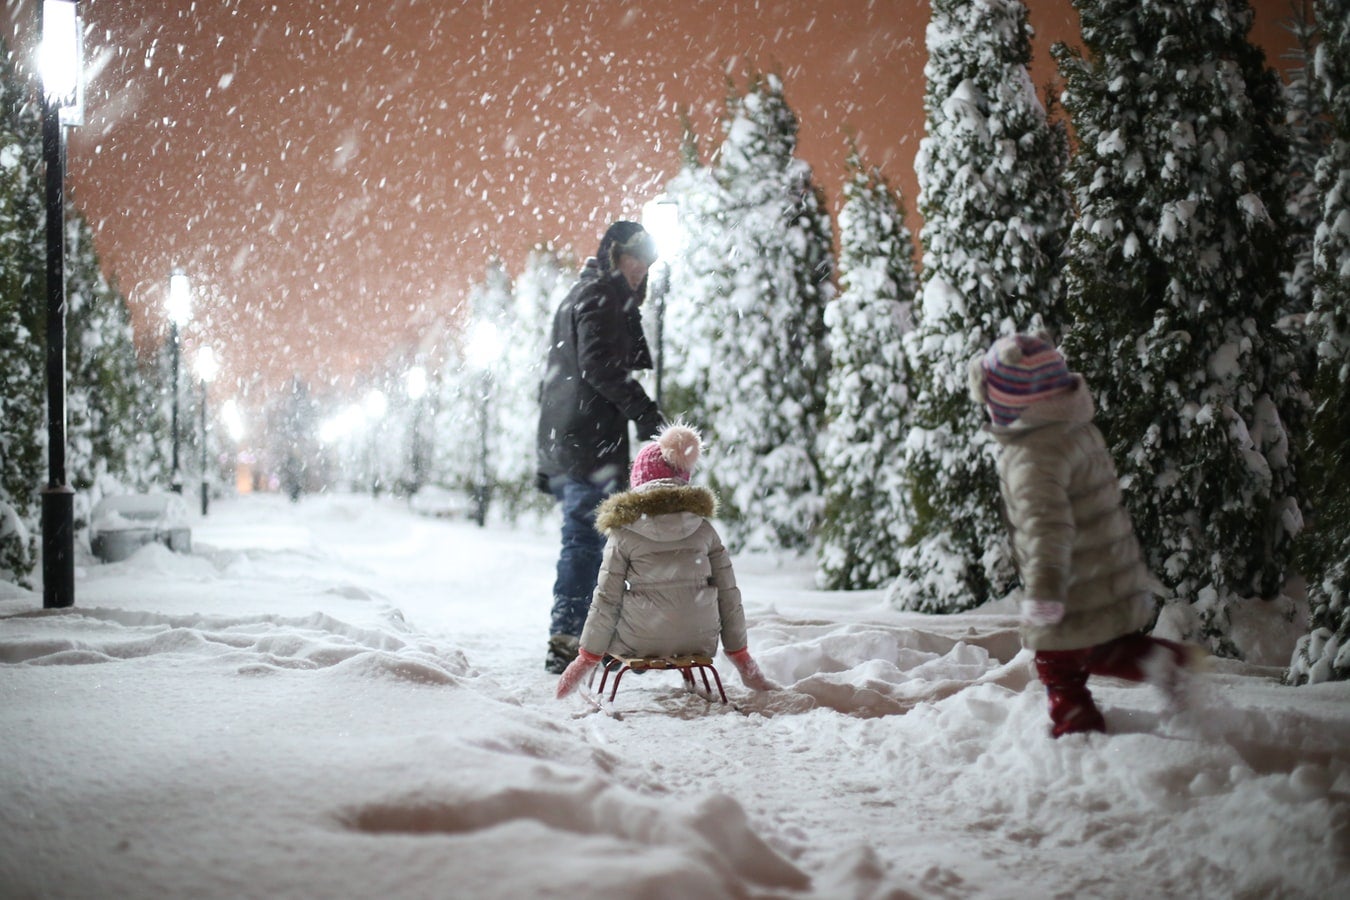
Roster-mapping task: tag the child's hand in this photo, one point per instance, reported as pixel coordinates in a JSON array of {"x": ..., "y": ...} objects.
[
  {"x": 1042, "y": 612},
  {"x": 751, "y": 676},
  {"x": 576, "y": 670}
]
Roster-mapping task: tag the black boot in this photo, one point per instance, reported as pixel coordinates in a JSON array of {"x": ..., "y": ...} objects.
[{"x": 562, "y": 649}]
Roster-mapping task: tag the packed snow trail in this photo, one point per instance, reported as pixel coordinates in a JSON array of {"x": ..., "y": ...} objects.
[{"x": 339, "y": 698}]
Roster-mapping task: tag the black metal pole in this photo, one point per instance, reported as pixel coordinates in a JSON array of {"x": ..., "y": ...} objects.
[
  {"x": 176, "y": 474},
  {"x": 206, "y": 491},
  {"x": 418, "y": 465},
  {"x": 662, "y": 285},
  {"x": 58, "y": 498},
  {"x": 484, "y": 483}
]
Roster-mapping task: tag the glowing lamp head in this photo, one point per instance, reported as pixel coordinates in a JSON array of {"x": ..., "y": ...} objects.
[
  {"x": 180, "y": 298},
  {"x": 60, "y": 59}
]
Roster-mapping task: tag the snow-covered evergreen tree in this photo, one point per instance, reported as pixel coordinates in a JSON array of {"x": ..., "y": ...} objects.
[
  {"x": 455, "y": 437},
  {"x": 695, "y": 281},
  {"x": 1174, "y": 282},
  {"x": 538, "y": 290},
  {"x": 150, "y": 457},
  {"x": 866, "y": 515},
  {"x": 1325, "y": 548},
  {"x": 503, "y": 365},
  {"x": 293, "y": 440},
  {"x": 995, "y": 214},
  {"x": 22, "y": 380},
  {"x": 103, "y": 385},
  {"x": 767, "y": 358},
  {"x": 1309, "y": 135}
]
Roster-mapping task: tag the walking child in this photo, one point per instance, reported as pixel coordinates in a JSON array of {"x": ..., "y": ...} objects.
[
  {"x": 666, "y": 585},
  {"x": 1087, "y": 592}
]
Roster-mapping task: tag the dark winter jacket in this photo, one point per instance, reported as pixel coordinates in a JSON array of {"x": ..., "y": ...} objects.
[
  {"x": 588, "y": 394},
  {"x": 1073, "y": 539},
  {"x": 666, "y": 585}
]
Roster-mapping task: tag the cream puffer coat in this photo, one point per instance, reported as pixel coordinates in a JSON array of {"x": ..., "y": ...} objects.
[
  {"x": 1073, "y": 540},
  {"x": 666, "y": 585}
]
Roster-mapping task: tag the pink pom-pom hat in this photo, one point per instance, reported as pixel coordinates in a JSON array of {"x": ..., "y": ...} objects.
[{"x": 673, "y": 454}]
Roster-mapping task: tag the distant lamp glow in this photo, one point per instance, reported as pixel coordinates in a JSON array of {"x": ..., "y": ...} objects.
[
  {"x": 207, "y": 365},
  {"x": 343, "y": 425},
  {"x": 484, "y": 346},
  {"x": 179, "y": 306},
  {"x": 375, "y": 404},
  {"x": 233, "y": 420},
  {"x": 415, "y": 383}
]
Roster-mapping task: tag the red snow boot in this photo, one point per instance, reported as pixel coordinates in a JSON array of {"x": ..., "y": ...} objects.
[
  {"x": 1167, "y": 665},
  {"x": 1064, "y": 674}
]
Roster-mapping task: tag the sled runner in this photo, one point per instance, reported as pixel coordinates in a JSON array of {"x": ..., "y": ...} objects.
[{"x": 618, "y": 665}]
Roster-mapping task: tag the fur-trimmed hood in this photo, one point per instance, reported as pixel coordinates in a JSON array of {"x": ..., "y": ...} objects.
[{"x": 682, "y": 506}]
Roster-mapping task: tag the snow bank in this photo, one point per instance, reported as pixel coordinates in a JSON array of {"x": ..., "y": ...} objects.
[{"x": 345, "y": 699}]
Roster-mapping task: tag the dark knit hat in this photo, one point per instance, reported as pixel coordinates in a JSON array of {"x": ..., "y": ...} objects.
[
  {"x": 672, "y": 455},
  {"x": 1017, "y": 371},
  {"x": 625, "y": 237}
]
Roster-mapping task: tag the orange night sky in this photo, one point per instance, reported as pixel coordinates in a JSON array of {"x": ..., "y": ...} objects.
[{"x": 335, "y": 174}]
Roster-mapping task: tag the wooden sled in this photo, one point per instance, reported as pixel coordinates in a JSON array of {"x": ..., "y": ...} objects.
[{"x": 618, "y": 665}]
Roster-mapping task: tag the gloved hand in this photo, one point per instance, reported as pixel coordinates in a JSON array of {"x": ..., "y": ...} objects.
[
  {"x": 650, "y": 423},
  {"x": 1041, "y": 612},
  {"x": 576, "y": 670},
  {"x": 751, "y": 676}
]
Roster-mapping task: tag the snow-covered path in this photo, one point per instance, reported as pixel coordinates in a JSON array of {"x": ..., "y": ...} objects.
[{"x": 341, "y": 699}]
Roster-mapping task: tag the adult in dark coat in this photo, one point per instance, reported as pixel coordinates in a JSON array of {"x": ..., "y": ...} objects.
[{"x": 587, "y": 397}]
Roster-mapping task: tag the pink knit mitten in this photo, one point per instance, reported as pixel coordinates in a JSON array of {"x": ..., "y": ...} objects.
[
  {"x": 576, "y": 670},
  {"x": 751, "y": 676},
  {"x": 1041, "y": 612}
]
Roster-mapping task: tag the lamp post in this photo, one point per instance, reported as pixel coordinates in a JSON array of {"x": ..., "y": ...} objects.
[
  {"x": 207, "y": 367},
  {"x": 482, "y": 351},
  {"x": 62, "y": 96},
  {"x": 233, "y": 420},
  {"x": 179, "y": 309},
  {"x": 661, "y": 218},
  {"x": 415, "y": 385},
  {"x": 374, "y": 406}
]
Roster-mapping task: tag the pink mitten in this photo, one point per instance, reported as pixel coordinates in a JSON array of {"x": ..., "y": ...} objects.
[
  {"x": 1042, "y": 612},
  {"x": 576, "y": 670},
  {"x": 751, "y": 676}
]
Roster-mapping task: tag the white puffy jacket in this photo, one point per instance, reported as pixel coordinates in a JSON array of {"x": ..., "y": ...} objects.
[
  {"x": 666, "y": 585},
  {"x": 1073, "y": 540}
]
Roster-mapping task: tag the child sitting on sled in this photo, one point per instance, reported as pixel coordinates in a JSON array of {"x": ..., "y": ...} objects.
[
  {"x": 1087, "y": 592},
  {"x": 666, "y": 587}
]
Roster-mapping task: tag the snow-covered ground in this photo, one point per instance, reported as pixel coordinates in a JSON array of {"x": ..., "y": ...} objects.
[{"x": 342, "y": 699}]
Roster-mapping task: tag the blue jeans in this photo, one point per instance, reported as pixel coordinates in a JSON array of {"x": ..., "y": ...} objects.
[{"x": 582, "y": 549}]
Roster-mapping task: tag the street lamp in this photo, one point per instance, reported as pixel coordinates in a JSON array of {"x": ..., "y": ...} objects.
[
  {"x": 661, "y": 219},
  {"x": 233, "y": 420},
  {"x": 62, "y": 104},
  {"x": 207, "y": 367},
  {"x": 374, "y": 406},
  {"x": 179, "y": 308},
  {"x": 482, "y": 351}
]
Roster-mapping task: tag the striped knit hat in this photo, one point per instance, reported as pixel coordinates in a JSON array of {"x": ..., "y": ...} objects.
[{"x": 1020, "y": 370}]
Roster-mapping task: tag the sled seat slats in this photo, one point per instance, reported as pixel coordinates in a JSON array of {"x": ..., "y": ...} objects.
[{"x": 685, "y": 665}]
